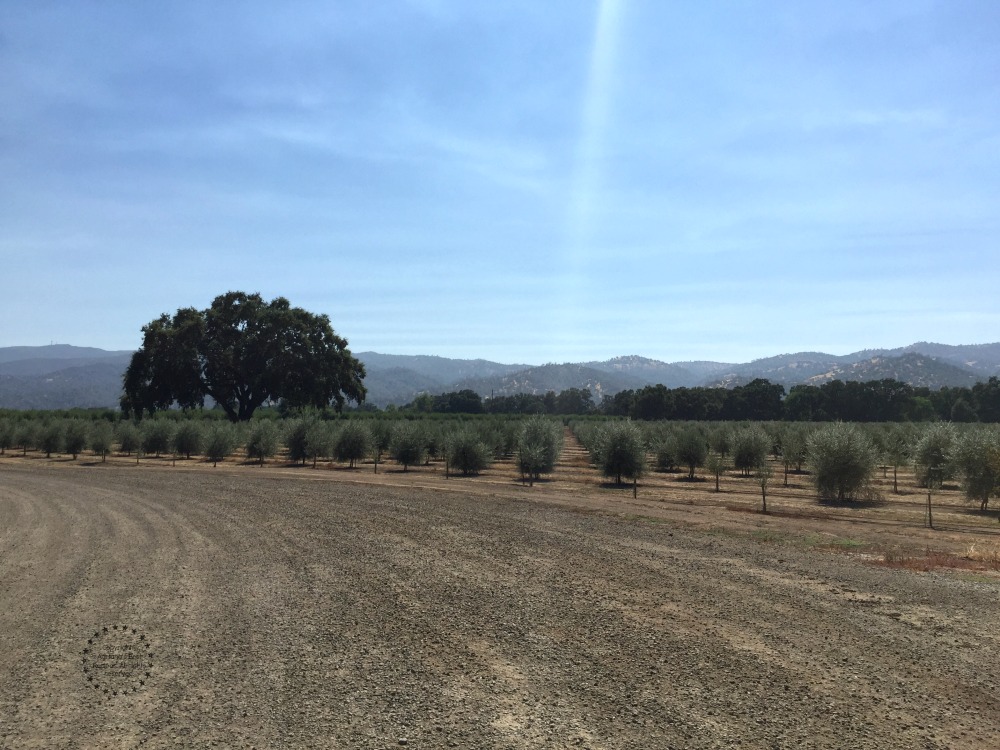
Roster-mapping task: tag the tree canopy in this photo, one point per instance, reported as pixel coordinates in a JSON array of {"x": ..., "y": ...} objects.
[{"x": 241, "y": 352}]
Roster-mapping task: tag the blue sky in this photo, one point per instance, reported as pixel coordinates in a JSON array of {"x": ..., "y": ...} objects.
[{"x": 519, "y": 181}]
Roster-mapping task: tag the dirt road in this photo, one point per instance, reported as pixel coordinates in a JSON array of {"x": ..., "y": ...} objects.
[{"x": 291, "y": 612}]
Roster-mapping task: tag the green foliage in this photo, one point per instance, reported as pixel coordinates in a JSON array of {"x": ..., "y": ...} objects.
[
  {"x": 128, "y": 438},
  {"x": 188, "y": 438},
  {"x": 6, "y": 435},
  {"x": 26, "y": 435},
  {"x": 975, "y": 455},
  {"x": 76, "y": 437},
  {"x": 467, "y": 452},
  {"x": 716, "y": 464},
  {"x": 52, "y": 437},
  {"x": 931, "y": 452},
  {"x": 621, "y": 450},
  {"x": 407, "y": 445},
  {"x": 295, "y": 440},
  {"x": 843, "y": 461},
  {"x": 219, "y": 442},
  {"x": 538, "y": 447},
  {"x": 692, "y": 451},
  {"x": 157, "y": 436},
  {"x": 101, "y": 438},
  {"x": 242, "y": 352},
  {"x": 353, "y": 443},
  {"x": 262, "y": 441},
  {"x": 750, "y": 445},
  {"x": 319, "y": 440}
]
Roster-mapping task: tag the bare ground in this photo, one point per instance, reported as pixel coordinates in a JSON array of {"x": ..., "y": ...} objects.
[{"x": 298, "y": 608}]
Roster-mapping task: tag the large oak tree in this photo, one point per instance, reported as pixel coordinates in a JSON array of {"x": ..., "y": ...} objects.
[{"x": 241, "y": 352}]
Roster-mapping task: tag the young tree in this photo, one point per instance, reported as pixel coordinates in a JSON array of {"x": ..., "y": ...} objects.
[
  {"x": 219, "y": 442},
  {"x": 407, "y": 445},
  {"x": 353, "y": 443},
  {"x": 897, "y": 452},
  {"x": 262, "y": 442},
  {"x": 101, "y": 438},
  {"x": 763, "y": 474},
  {"x": 716, "y": 464},
  {"x": 157, "y": 436},
  {"x": 188, "y": 438},
  {"x": 665, "y": 451},
  {"x": 538, "y": 447},
  {"x": 751, "y": 444},
  {"x": 26, "y": 435},
  {"x": 128, "y": 438},
  {"x": 318, "y": 440},
  {"x": 622, "y": 451},
  {"x": 691, "y": 449},
  {"x": 975, "y": 455},
  {"x": 467, "y": 452},
  {"x": 77, "y": 434},
  {"x": 843, "y": 461},
  {"x": 295, "y": 440},
  {"x": 52, "y": 437},
  {"x": 381, "y": 439},
  {"x": 930, "y": 454},
  {"x": 6, "y": 435}
]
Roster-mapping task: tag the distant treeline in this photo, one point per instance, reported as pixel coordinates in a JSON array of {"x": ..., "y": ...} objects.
[{"x": 760, "y": 400}]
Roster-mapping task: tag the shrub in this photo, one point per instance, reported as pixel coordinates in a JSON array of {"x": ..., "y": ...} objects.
[
  {"x": 189, "y": 438},
  {"x": 262, "y": 442},
  {"x": 77, "y": 433},
  {"x": 407, "y": 446},
  {"x": 621, "y": 450},
  {"x": 219, "y": 442},
  {"x": 843, "y": 461},
  {"x": 538, "y": 447},
  {"x": 353, "y": 443},
  {"x": 467, "y": 453}
]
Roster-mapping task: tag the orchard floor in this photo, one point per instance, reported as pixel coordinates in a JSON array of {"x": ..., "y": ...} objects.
[{"x": 283, "y": 606}]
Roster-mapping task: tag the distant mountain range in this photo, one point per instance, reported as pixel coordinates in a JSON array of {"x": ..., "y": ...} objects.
[{"x": 62, "y": 376}]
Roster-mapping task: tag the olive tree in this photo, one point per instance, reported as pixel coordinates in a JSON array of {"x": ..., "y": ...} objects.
[
  {"x": 467, "y": 452},
  {"x": 188, "y": 438},
  {"x": 6, "y": 435},
  {"x": 975, "y": 455},
  {"x": 692, "y": 449},
  {"x": 621, "y": 451},
  {"x": 407, "y": 447},
  {"x": 354, "y": 442},
  {"x": 750, "y": 447},
  {"x": 52, "y": 437},
  {"x": 101, "y": 438},
  {"x": 843, "y": 461},
  {"x": 76, "y": 437},
  {"x": 538, "y": 447},
  {"x": 219, "y": 442},
  {"x": 931, "y": 452},
  {"x": 262, "y": 441}
]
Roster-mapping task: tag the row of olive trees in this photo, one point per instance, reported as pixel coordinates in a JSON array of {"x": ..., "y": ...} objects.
[
  {"x": 842, "y": 457},
  {"x": 467, "y": 448}
]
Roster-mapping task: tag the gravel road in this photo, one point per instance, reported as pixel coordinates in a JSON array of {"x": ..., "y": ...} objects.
[{"x": 302, "y": 613}]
